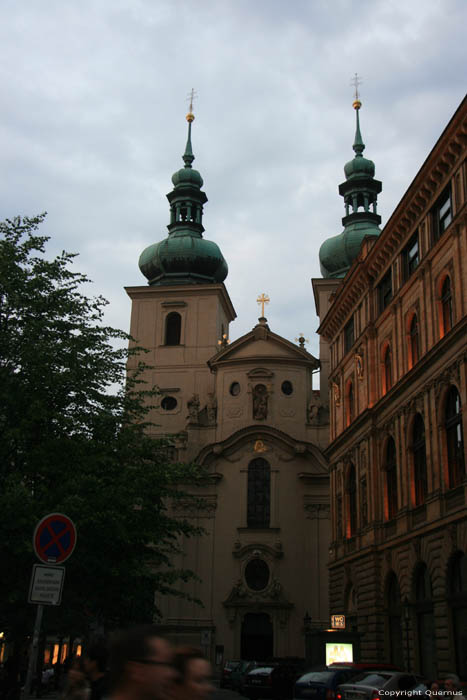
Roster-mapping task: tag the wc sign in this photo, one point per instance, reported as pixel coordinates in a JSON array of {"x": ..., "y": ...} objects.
[{"x": 338, "y": 622}]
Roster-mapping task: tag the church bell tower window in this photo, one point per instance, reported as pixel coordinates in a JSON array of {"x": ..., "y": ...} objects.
[{"x": 173, "y": 328}]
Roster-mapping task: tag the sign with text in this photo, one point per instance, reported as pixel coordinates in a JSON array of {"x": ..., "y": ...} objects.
[
  {"x": 338, "y": 622},
  {"x": 46, "y": 584}
]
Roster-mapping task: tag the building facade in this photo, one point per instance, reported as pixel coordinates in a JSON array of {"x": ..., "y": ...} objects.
[
  {"x": 248, "y": 412},
  {"x": 393, "y": 331}
]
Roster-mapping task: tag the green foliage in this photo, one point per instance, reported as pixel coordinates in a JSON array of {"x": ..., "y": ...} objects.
[{"x": 71, "y": 443}]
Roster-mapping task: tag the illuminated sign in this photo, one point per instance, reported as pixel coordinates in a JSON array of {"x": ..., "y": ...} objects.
[
  {"x": 338, "y": 622},
  {"x": 338, "y": 653}
]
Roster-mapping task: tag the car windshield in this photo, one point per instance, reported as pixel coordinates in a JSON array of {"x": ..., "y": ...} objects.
[
  {"x": 262, "y": 670},
  {"x": 231, "y": 664},
  {"x": 376, "y": 680},
  {"x": 316, "y": 677}
]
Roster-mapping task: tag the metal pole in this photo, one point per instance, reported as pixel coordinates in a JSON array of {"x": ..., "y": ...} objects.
[
  {"x": 407, "y": 642},
  {"x": 33, "y": 654}
]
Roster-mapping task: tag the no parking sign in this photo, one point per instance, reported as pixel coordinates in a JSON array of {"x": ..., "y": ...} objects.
[{"x": 54, "y": 538}]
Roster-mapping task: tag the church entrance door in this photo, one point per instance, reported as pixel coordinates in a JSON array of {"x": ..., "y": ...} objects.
[{"x": 257, "y": 637}]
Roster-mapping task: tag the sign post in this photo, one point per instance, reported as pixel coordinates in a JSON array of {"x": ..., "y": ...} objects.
[{"x": 54, "y": 540}]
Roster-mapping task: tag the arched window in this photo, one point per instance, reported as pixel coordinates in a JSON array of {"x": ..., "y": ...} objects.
[
  {"x": 351, "y": 502},
  {"x": 259, "y": 493},
  {"x": 446, "y": 305},
  {"x": 350, "y": 404},
  {"x": 414, "y": 341},
  {"x": 391, "y": 479},
  {"x": 394, "y": 611},
  {"x": 419, "y": 460},
  {"x": 387, "y": 369},
  {"x": 425, "y": 622},
  {"x": 454, "y": 438},
  {"x": 173, "y": 328},
  {"x": 457, "y": 599}
]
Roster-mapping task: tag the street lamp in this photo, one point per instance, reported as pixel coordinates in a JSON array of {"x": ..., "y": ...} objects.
[{"x": 406, "y": 608}]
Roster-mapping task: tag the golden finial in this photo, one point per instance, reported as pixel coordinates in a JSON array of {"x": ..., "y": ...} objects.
[
  {"x": 356, "y": 81},
  {"x": 263, "y": 299},
  {"x": 301, "y": 340},
  {"x": 224, "y": 341},
  {"x": 191, "y": 96}
]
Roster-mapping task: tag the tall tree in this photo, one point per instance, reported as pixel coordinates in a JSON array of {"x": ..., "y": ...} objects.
[{"x": 70, "y": 442}]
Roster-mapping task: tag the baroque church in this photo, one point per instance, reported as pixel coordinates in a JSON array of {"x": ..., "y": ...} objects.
[{"x": 247, "y": 411}]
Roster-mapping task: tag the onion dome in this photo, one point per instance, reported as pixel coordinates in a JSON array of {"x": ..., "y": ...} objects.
[
  {"x": 360, "y": 192},
  {"x": 184, "y": 257}
]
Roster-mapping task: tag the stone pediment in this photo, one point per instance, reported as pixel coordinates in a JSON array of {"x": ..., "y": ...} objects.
[
  {"x": 261, "y": 345},
  {"x": 272, "y": 597}
]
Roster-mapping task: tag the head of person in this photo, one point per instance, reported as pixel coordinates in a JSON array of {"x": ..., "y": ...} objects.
[
  {"x": 451, "y": 682},
  {"x": 193, "y": 679},
  {"x": 95, "y": 658},
  {"x": 76, "y": 674},
  {"x": 140, "y": 664}
]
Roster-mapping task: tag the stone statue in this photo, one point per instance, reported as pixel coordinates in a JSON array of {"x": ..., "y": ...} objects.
[
  {"x": 193, "y": 408},
  {"x": 260, "y": 402}
]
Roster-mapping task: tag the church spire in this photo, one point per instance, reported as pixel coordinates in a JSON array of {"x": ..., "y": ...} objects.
[
  {"x": 360, "y": 192},
  {"x": 184, "y": 257}
]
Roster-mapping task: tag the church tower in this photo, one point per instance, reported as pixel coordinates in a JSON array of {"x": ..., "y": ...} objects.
[
  {"x": 248, "y": 413},
  {"x": 185, "y": 309}
]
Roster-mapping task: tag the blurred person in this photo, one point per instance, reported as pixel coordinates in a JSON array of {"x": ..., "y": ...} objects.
[
  {"x": 95, "y": 661},
  {"x": 76, "y": 684},
  {"x": 193, "y": 680},
  {"x": 141, "y": 665}
]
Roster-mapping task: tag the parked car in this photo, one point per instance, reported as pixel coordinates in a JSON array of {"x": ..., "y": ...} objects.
[
  {"x": 276, "y": 680},
  {"x": 367, "y": 686},
  {"x": 321, "y": 683},
  {"x": 226, "y": 673},
  {"x": 239, "y": 674}
]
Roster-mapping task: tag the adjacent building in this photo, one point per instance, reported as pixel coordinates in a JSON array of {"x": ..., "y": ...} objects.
[{"x": 393, "y": 336}]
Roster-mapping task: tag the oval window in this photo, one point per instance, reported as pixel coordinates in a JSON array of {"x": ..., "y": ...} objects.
[
  {"x": 234, "y": 389},
  {"x": 287, "y": 387},
  {"x": 257, "y": 574},
  {"x": 168, "y": 403}
]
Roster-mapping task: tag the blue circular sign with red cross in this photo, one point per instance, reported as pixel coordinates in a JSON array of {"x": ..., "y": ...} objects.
[{"x": 54, "y": 538}]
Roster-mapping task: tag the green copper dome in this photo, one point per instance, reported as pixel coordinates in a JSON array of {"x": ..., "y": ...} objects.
[
  {"x": 184, "y": 257},
  {"x": 360, "y": 192}
]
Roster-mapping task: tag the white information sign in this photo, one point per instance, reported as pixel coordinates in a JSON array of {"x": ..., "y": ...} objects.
[{"x": 46, "y": 584}]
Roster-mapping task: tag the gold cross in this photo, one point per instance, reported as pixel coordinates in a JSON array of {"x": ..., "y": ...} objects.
[
  {"x": 263, "y": 299},
  {"x": 356, "y": 81},
  {"x": 191, "y": 96}
]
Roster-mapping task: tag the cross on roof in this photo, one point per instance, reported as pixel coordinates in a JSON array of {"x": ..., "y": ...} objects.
[
  {"x": 356, "y": 81},
  {"x": 263, "y": 299}
]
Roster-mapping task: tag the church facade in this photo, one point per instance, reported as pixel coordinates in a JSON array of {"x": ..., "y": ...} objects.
[
  {"x": 393, "y": 329},
  {"x": 247, "y": 411}
]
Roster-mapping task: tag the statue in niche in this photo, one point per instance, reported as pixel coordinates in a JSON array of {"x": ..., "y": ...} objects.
[
  {"x": 193, "y": 408},
  {"x": 211, "y": 408},
  {"x": 260, "y": 402}
]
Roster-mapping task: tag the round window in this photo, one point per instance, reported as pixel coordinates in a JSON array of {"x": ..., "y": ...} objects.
[
  {"x": 168, "y": 403},
  {"x": 235, "y": 388},
  {"x": 287, "y": 387},
  {"x": 257, "y": 574}
]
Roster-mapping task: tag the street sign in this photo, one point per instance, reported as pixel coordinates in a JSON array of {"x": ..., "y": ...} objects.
[
  {"x": 54, "y": 538},
  {"x": 338, "y": 622},
  {"x": 46, "y": 584}
]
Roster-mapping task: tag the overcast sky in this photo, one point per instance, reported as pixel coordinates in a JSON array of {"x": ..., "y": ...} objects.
[{"x": 92, "y": 127}]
